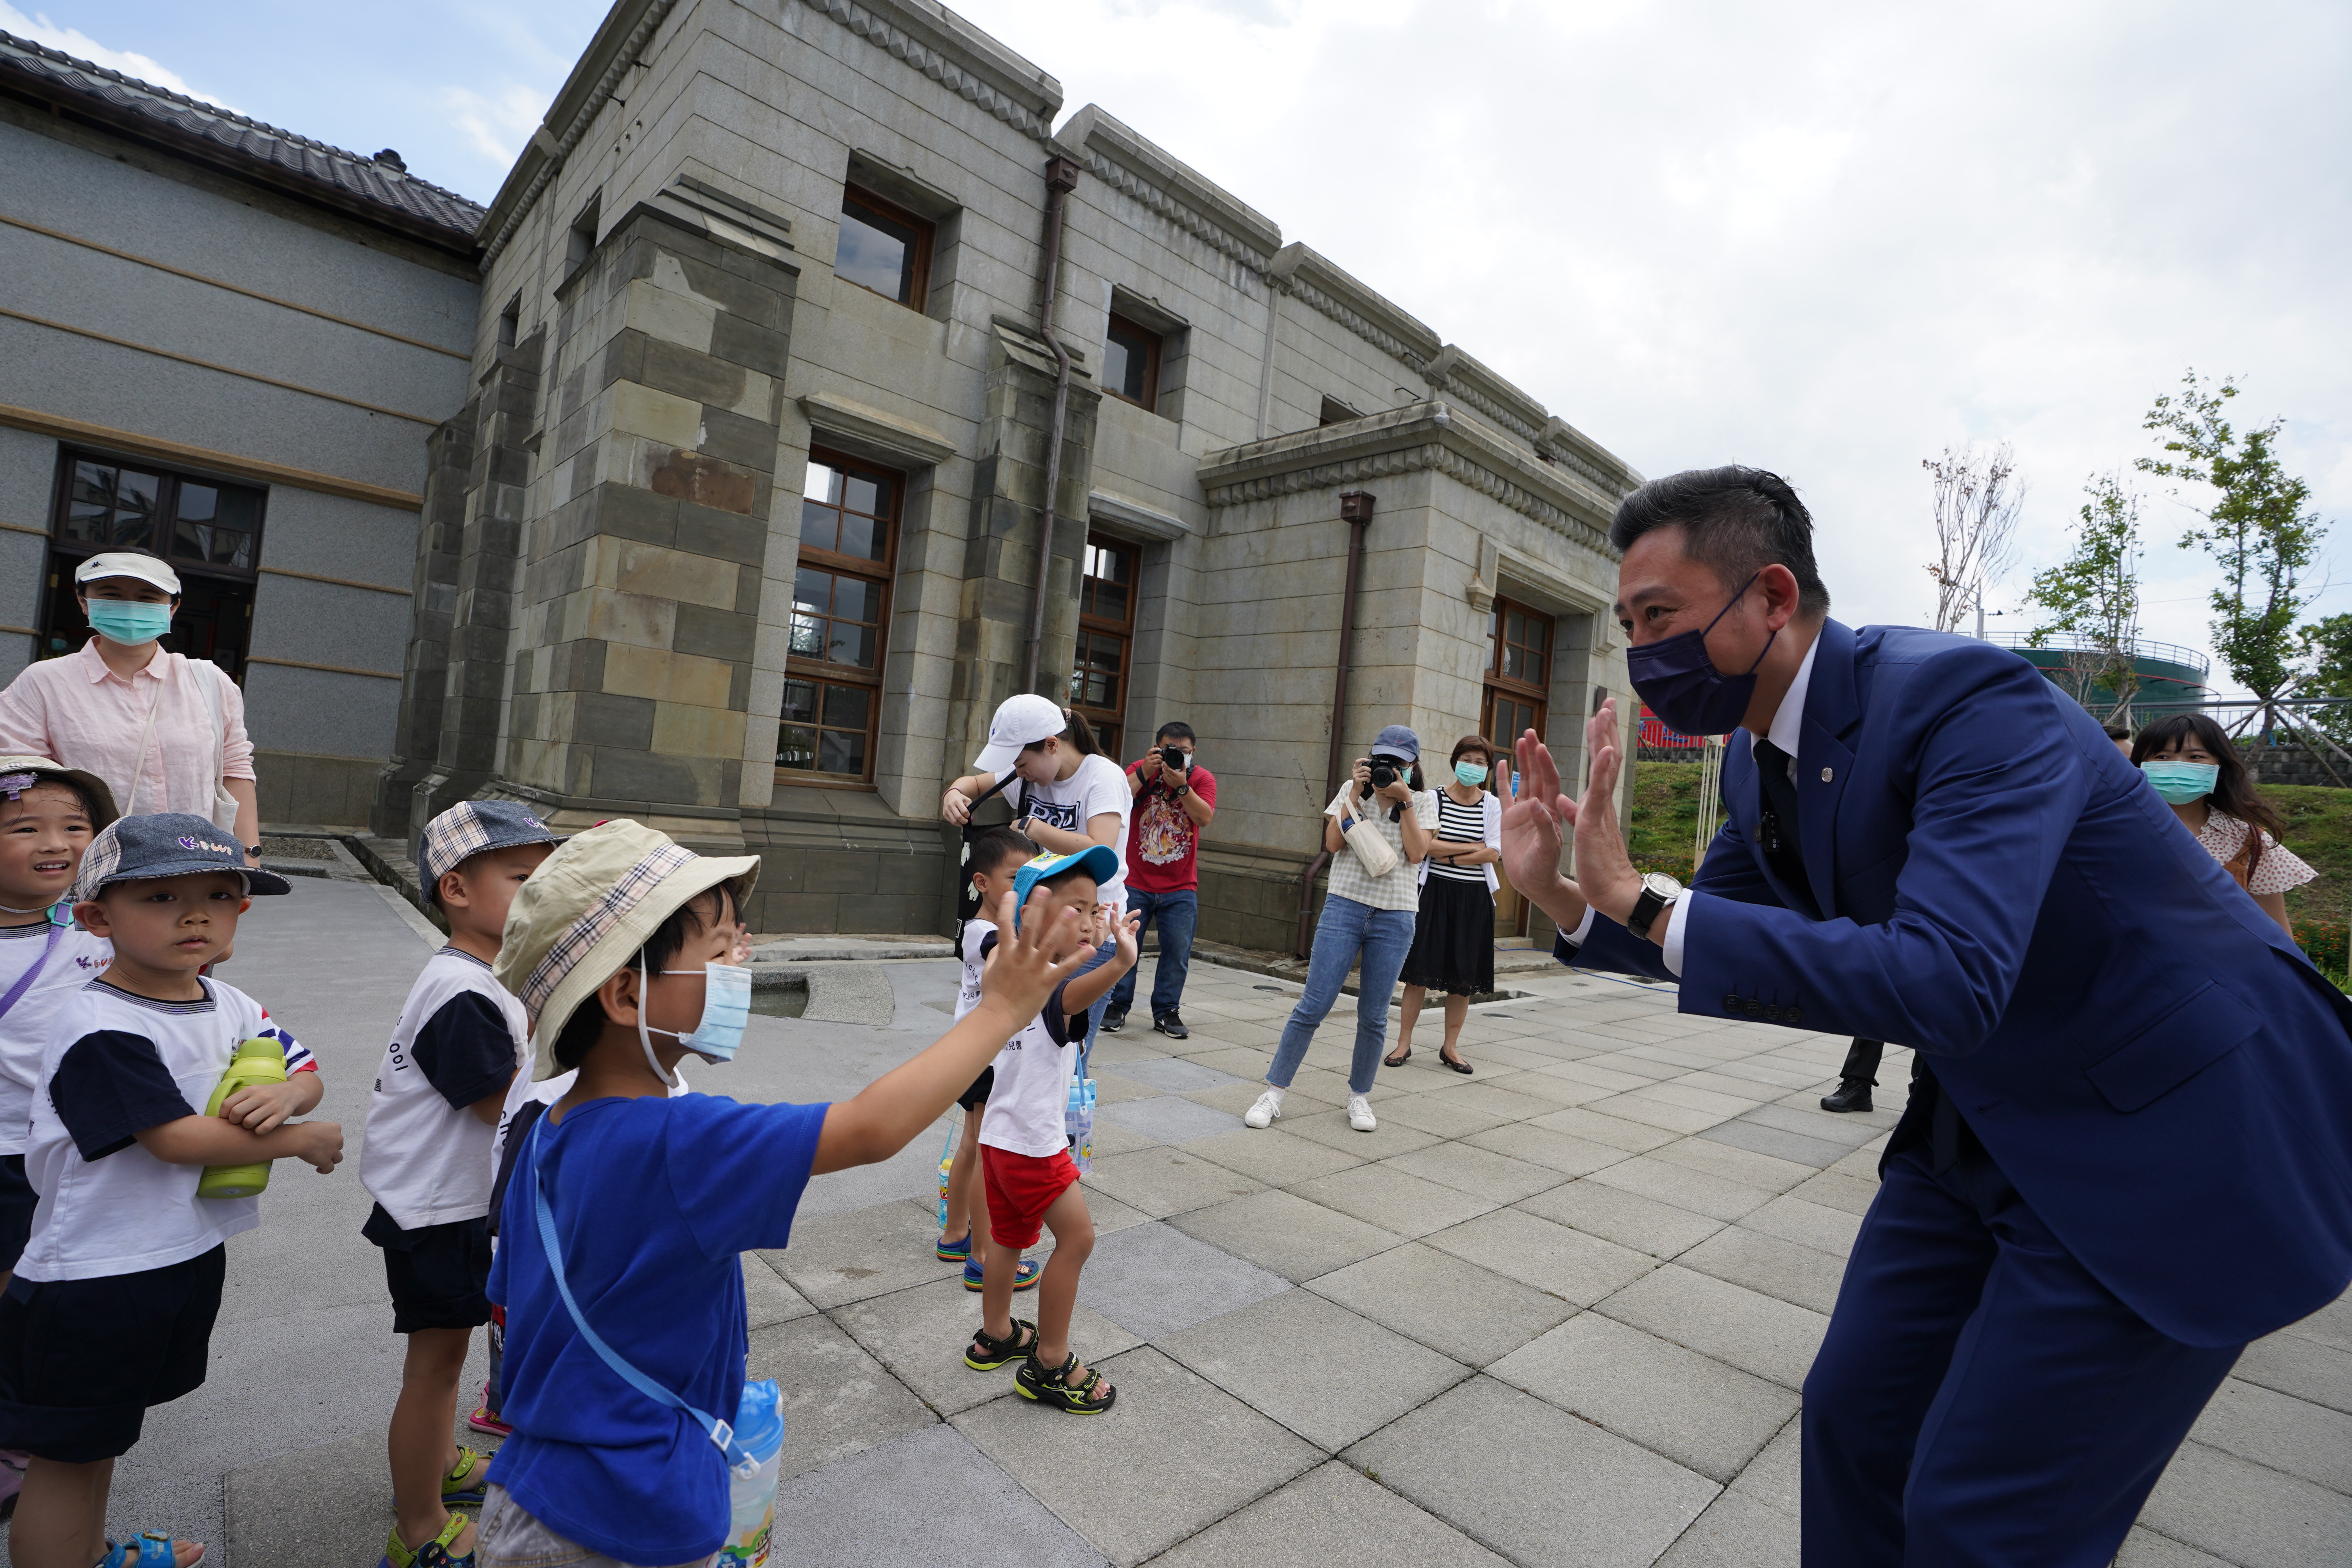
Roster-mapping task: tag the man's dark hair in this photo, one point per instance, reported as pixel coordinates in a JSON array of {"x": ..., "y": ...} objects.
[
  {"x": 2118, "y": 732},
  {"x": 991, "y": 849},
  {"x": 1175, "y": 729},
  {"x": 1736, "y": 520},
  {"x": 713, "y": 906}
]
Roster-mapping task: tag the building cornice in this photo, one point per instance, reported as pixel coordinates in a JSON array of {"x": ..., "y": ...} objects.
[
  {"x": 1455, "y": 373},
  {"x": 958, "y": 55},
  {"x": 1299, "y": 269},
  {"x": 1417, "y": 437},
  {"x": 1116, "y": 155}
]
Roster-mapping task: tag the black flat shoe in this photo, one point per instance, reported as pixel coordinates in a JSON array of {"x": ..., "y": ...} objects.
[
  {"x": 1456, "y": 1063},
  {"x": 1398, "y": 1061},
  {"x": 1854, "y": 1094}
]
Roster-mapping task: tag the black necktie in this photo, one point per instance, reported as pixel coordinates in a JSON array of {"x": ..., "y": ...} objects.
[{"x": 1776, "y": 822}]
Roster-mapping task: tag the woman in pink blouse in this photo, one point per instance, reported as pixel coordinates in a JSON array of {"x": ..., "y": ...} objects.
[
  {"x": 2197, "y": 768},
  {"x": 165, "y": 733}
]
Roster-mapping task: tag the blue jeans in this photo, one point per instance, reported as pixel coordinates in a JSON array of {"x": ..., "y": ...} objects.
[
  {"x": 1103, "y": 956},
  {"x": 1176, "y": 915},
  {"x": 1346, "y": 928}
]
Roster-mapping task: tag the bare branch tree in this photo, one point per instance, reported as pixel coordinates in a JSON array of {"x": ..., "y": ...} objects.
[{"x": 1978, "y": 497}]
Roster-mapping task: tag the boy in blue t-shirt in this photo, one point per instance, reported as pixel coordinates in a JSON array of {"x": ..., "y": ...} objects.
[{"x": 619, "y": 948}]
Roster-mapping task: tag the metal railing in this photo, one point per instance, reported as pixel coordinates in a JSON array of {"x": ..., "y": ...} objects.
[{"x": 2142, "y": 647}]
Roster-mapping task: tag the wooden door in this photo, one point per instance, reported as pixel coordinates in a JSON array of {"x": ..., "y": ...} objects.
[{"x": 1518, "y": 680}]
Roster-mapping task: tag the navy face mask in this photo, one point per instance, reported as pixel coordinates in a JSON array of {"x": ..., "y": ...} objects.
[{"x": 1682, "y": 687}]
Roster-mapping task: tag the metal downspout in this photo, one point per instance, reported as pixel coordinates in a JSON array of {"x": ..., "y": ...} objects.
[
  {"x": 1356, "y": 510},
  {"x": 1061, "y": 178}
]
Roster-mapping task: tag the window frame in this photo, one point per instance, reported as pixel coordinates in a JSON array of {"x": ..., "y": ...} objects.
[
  {"x": 1511, "y": 909},
  {"x": 1155, "y": 346},
  {"x": 1122, "y": 631},
  {"x": 823, "y": 672},
  {"x": 918, "y": 279}
]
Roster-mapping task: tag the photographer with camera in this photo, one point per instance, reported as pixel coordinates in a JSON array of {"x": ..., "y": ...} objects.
[
  {"x": 1377, "y": 830},
  {"x": 1175, "y": 797}
]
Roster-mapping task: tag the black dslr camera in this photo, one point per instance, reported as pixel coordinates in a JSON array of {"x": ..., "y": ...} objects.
[
  {"x": 1175, "y": 759},
  {"x": 1384, "y": 772}
]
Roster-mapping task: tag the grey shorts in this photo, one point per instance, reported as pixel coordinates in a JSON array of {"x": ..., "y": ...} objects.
[{"x": 505, "y": 1537}]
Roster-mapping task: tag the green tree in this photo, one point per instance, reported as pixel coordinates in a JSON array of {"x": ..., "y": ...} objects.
[
  {"x": 2093, "y": 597},
  {"x": 2258, "y": 528},
  {"x": 2325, "y": 646}
]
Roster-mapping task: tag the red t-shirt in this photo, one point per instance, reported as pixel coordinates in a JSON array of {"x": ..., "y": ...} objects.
[{"x": 1163, "y": 843}]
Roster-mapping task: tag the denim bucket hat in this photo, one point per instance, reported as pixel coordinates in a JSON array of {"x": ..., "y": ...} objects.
[{"x": 167, "y": 844}]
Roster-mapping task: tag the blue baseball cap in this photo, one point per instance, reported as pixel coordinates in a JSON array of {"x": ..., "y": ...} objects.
[
  {"x": 1098, "y": 860},
  {"x": 1397, "y": 741},
  {"x": 166, "y": 844}
]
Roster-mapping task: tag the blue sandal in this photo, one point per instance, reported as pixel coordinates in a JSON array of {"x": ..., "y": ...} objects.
[
  {"x": 954, "y": 1251},
  {"x": 1023, "y": 1278},
  {"x": 153, "y": 1550}
]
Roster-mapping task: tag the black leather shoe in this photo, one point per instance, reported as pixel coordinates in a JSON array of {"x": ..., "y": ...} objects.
[
  {"x": 1852, "y": 1094},
  {"x": 1113, "y": 1023},
  {"x": 1170, "y": 1025}
]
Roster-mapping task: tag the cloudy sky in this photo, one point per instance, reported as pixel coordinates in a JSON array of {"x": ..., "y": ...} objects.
[{"x": 1828, "y": 239}]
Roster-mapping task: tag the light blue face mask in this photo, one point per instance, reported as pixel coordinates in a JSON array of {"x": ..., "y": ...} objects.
[
  {"x": 726, "y": 1009},
  {"x": 128, "y": 622},
  {"x": 2181, "y": 782},
  {"x": 1470, "y": 773}
]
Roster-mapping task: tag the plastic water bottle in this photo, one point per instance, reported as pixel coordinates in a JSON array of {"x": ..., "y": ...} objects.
[
  {"x": 1078, "y": 1122},
  {"x": 256, "y": 1061},
  {"x": 752, "y": 1500}
]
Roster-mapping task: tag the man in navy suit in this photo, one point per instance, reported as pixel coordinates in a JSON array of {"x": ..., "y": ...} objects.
[{"x": 2128, "y": 1149}]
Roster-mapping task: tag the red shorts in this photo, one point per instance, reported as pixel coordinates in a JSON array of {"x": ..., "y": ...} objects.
[{"x": 1020, "y": 1188}]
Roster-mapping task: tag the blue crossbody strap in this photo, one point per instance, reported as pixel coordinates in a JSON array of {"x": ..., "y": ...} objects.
[{"x": 721, "y": 1434}]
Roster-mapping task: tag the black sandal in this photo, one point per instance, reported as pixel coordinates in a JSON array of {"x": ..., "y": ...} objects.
[
  {"x": 1398, "y": 1061},
  {"x": 986, "y": 1354},
  {"x": 1034, "y": 1382},
  {"x": 1456, "y": 1063}
]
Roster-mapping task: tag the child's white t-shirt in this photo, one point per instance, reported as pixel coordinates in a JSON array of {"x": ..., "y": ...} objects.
[
  {"x": 75, "y": 958},
  {"x": 117, "y": 1065},
  {"x": 461, "y": 1037},
  {"x": 1032, "y": 1092},
  {"x": 1098, "y": 786},
  {"x": 969, "y": 949}
]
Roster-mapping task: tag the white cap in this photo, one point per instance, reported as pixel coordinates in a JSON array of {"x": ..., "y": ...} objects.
[
  {"x": 128, "y": 564},
  {"x": 1019, "y": 722}
]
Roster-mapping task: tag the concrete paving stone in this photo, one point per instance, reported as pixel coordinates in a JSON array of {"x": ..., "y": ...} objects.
[
  {"x": 1682, "y": 1053},
  {"x": 2304, "y": 1368},
  {"x": 1888, "y": 1099},
  {"x": 1471, "y": 1314},
  {"x": 2248, "y": 1514},
  {"x": 1487, "y": 1055},
  {"x": 1286, "y": 1233},
  {"x": 1174, "y": 1075},
  {"x": 1754, "y": 1332},
  {"x": 918, "y": 1336},
  {"x": 1683, "y": 1187},
  {"x": 1807, "y": 1223},
  {"x": 1532, "y": 1482},
  {"x": 1758, "y": 1069},
  {"x": 1234, "y": 1061},
  {"x": 1395, "y": 1200},
  {"x": 1551, "y": 1258},
  {"x": 766, "y": 1297},
  {"x": 1170, "y": 1117},
  {"x": 1851, "y": 1130},
  {"x": 1678, "y": 1120},
  {"x": 1791, "y": 1147},
  {"x": 1162, "y": 1181},
  {"x": 1114, "y": 1051},
  {"x": 1698, "y": 1412},
  {"x": 1715, "y": 1080},
  {"x": 1115, "y": 1089},
  {"x": 1771, "y": 1265},
  {"x": 1234, "y": 1099},
  {"x": 1111, "y": 1139},
  {"x": 1556, "y": 1090},
  {"x": 1107, "y": 1213},
  {"x": 1154, "y": 1279},
  {"x": 2144, "y": 1548},
  {"x": 1274, "y": 1155},
  {"x": 1175, "y": 1455},
  {"x": 1327, "y": 1374},
  {"x": 830, "y": 1514},
  {"x": 838, "y": 1398},
  {"x": 1647, "y": 1068},
  {"x": 1863, "y": 1163},
  {"x": 1323, "y": 1520},
  {"x": 1680, "y": 1091},
  {"x": 1482, "y": 1172},
  {"x": 1331, "y": 1127},
  {"x": 1436, "y": 1114},
  {"x": 1588, "y": 1071},
  {"x": 1746, "y": 1166},
  {"x": 1626, "y": 1218},
  {"x": 2331, "y": 1325},
  {"x": 1736, "y": 1533},
  {"x": 1422, "y": 1075},
  {"x": 1836, "y": 1190},
  {"x": 1322, "y": 1084},
  {"x": 1494, "y": 1099},
  {"x": 341, "y": 1512},
  {"x": 1524, "y": 1140},
  {"x": 2281, "y": 1431},
  {"x": 1775, "y": 1477},
  {"x": 1600, "y": 1127},
  {"x": 864, "y": 1252}
]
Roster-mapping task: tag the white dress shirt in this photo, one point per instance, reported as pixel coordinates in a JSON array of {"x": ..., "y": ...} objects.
[{"x": 1787, "y": 728}]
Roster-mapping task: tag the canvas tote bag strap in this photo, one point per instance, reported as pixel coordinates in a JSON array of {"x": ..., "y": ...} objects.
[{"x": 139, "y": 763}]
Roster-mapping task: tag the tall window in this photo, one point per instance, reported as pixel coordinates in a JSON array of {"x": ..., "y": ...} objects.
[
  {"x": 1105, "y": 633},
  {"x": 1518, "y": 685},
  {"x": 1131, "y": 362},
  {"x": 209, "y": 530},
  {"x": 840, "y": 605},
  {"x": 884, "y": 247}
]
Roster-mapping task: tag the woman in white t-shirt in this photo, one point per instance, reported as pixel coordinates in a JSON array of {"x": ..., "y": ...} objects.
[{"x": 1065, "y": 793}]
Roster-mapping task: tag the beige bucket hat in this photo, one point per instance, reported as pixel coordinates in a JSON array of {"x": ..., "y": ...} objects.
[
  {"x": 587, "y": 911},
  {"x": 102, "y": 796}
]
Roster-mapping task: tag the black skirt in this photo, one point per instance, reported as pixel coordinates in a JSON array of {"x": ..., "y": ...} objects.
[{"x": 1452, "y": 939}]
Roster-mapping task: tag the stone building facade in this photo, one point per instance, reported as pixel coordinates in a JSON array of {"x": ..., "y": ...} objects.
[
  {"x": 228, "y": 343},
  {"x": 740, "y": 529}
]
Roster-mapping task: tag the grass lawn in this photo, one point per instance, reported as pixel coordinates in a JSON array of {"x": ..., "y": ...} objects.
[{"x": 1666, "y": 817}]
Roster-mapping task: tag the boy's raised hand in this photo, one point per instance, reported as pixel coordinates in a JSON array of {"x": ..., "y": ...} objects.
[
  {"x": 1021, "y": 973},
  {"x": 1128, "y": 930}
]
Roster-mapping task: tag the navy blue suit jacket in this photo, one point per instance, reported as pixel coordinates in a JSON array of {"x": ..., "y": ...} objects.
[{"x": 2155, "y": 1067}]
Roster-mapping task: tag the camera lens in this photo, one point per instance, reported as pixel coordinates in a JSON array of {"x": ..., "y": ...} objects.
[
  {"x": 1173, "y": 756},
  {"x": 1383, "y": 775}
]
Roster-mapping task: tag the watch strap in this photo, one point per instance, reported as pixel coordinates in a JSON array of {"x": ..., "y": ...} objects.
[{"x": 1646, "y": 910}]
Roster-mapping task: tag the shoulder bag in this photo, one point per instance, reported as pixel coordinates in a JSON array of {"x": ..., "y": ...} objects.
[
  {"x": 225, "y": 806},
  {"x": 1375, "y": 854}
]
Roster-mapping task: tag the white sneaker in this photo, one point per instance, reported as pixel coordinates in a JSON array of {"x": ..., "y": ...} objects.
[
  {"x": 1360, "y": 1113},
  {"x": 1268, "y": 1107}
]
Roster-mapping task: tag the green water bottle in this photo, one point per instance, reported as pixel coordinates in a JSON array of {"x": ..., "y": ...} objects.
[{"x": 256, "y": 1061}]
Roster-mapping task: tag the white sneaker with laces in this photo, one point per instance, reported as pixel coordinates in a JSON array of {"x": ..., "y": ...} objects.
[
  {"x": 1268, "y": 1108},
  {"x": 1360, "y": 1113}
]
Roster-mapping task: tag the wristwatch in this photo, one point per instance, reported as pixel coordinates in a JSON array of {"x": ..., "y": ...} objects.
[{"x": 1658, "y": 891}]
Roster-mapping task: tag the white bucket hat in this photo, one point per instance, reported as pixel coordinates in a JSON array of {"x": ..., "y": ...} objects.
[
  {"x": 586, "y": 912},
  {"x": 1019, "y": 722}
]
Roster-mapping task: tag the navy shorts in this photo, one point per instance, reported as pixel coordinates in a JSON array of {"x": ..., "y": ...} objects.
[
  {"x": 18, "y": 1202},
  {"x": 81, "y": 1361},
  {"x": 439, "y": 1273}
]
